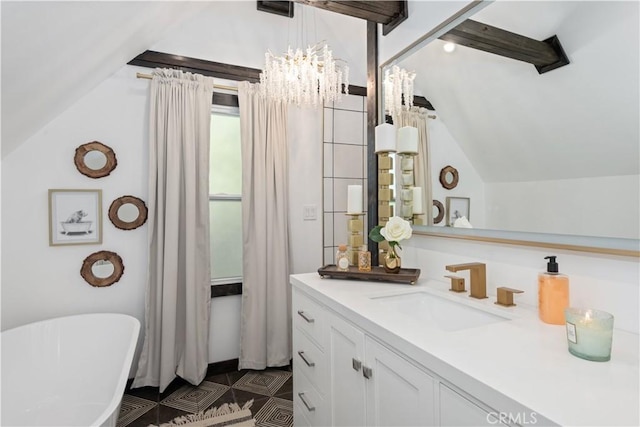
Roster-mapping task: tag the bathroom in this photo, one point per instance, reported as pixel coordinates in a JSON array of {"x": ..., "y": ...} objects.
[{"x": 99, "y": 98}]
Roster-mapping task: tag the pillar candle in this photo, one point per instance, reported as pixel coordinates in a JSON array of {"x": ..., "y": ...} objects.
[
  {"x": 417, "y": 201},
  {"x": 407, "y": 140},
  {"x": 354, "y": 199},
  {"x": 385, "y": 138}
]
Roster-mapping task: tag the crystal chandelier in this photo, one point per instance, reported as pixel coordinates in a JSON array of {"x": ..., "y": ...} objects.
[
  {"x": 398, "y": 86},
  {"x": 311, "y": 77}
]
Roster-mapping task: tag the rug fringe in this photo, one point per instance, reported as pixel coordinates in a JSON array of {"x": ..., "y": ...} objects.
[{"x": 224, "y": 409}]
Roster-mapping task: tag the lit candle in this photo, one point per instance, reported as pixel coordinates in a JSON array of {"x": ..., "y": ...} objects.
[
  {"x": 589, "y": 333},
  {"x": 354, "y": 199},
  {"x": 385, "y": 138},
  {"x": 417, "y": 201},
  {"x": 408, "y": 140}
]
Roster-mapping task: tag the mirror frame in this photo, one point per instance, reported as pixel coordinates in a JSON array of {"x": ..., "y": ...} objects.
[
  {"x": 590, "y": 244},
  {"x": 123, "y": 225},
  {"x": 100, "y": 282},
  {"x": 82, "y": 167}
]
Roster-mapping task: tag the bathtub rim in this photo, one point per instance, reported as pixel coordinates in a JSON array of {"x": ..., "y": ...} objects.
[{"x": 116, "y": 399}]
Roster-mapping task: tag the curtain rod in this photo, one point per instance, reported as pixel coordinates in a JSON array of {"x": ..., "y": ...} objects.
[
  {"x": 149, "y": 76},
  {"x": 233, "y": 88}
]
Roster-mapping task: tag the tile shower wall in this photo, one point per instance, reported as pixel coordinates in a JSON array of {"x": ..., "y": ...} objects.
[{"x": 345, "y": 163}]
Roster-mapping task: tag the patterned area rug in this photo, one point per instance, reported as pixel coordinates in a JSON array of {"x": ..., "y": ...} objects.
[
  {"x": 276, "y": 413},
  {"x": 133, "y": 407},
  {"x": 227, "y": 415},
  {"x": 266, "y": 383},
  {"x": 190, "y": 399}
]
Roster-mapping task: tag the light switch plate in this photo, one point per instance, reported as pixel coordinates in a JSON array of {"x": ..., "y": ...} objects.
[{"x": 310, "y": 212}]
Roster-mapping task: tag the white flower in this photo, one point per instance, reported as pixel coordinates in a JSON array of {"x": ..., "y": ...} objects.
[{"x": 397, "y": 229}]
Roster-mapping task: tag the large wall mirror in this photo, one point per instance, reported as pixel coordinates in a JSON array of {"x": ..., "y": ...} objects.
[{"x": 548, "y": 159}]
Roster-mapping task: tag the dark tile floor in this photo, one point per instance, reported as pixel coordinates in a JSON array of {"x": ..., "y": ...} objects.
[{"x": 271, "y": 391}]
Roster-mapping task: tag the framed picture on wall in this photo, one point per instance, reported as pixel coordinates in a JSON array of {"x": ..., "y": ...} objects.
[
  {"x": 457, "y": 207},
  {"x": 75, "y": 217}
]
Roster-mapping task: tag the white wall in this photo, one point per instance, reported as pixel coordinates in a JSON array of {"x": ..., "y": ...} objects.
[
  {"x": 557, "y": 206},
  {"x": 224, "y": 328},
  {"x": 423, "y": 15},
  {"x": 605, "y": 282},
  {"x": 305, "y": 188},
  {"x": 344, "y": 164},
  {"x": 39, "y": 281},
  {"x": 446, "y": 151}
]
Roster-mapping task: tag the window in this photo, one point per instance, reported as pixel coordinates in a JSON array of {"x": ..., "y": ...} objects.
[{"x": 225, "y": 198}]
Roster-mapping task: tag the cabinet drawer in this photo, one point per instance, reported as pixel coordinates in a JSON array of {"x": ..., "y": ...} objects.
[
  {"x": 309, "y": 316},
  {"x": 309, "y": 360},
  {"x": 308, "y": 402},
  {"x": 457, "y": 410},
  {"x": 299, "y": 419}
]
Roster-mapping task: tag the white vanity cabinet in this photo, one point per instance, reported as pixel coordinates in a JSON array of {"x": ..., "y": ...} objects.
[
  {"x": 343, "y": 377},
  {"x": 457, "y": 410},
  {"x": 371, "y": 385},
  {"x": 311, "y": 373},
  {"x": 360, "y": 360}
]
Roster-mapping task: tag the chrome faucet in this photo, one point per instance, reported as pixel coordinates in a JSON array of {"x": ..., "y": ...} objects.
[{"x": 478, "y": 279}]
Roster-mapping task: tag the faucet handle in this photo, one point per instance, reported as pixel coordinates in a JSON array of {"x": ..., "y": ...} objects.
[
  {"x": 457, "y": 283},
  {"x": 505, "y": 296}
]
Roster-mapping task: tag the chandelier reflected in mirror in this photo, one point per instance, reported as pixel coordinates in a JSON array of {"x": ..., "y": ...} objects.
[
  {"x": 398, "y": 90},
  {"x": 309, "y": 77}
]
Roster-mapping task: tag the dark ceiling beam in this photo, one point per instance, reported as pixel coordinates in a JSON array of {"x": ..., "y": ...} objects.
[
  {"x": 403, "y": 14},
  {"x": 421, "y": 101},
  {"x": 388, "y": 13},
  {"x": 153, "y": 59},
  {"x": 283, "y": 8},
  {"x": 546, "y": 55}
]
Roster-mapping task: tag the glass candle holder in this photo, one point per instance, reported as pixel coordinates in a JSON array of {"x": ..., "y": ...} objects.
[{"x": 589, "y": 333}]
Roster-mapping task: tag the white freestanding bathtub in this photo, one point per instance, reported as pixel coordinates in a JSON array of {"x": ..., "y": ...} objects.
[{"x": 69, "y": 371}]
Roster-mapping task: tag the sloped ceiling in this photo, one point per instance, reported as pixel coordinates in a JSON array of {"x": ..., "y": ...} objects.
[
  {"x": 581, "y": 120},
  {"x": 55, "y": 52}
]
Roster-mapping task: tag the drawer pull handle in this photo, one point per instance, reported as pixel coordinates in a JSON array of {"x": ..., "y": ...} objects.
[
  {"x": 367, "y": 372},
  {"x": 307, "y": 361},
  {"x": 306, "y": 317},
  {"x": 356, "y": 364},
  {"x": 309, "y": 406}
]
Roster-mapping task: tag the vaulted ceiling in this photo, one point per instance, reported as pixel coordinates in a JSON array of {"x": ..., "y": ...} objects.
[
  {"x": 514, "y": 124},
  {"x": 54, "y": 52}
]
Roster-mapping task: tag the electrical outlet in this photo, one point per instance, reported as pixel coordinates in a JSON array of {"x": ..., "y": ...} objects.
[{"x": 309, "y": 212}]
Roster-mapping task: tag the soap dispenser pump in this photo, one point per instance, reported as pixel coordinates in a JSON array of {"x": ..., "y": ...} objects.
[{"x": 553, "y": 293}]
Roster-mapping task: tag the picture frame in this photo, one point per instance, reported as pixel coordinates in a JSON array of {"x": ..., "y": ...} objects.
[
  {"x": 75, "y": 217},
  {"x": 457, "y": 207}
]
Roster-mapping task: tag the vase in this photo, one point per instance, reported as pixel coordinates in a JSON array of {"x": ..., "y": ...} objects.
[{"x": 391, "y": 262}]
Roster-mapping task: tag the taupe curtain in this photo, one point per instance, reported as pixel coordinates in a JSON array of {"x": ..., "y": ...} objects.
[
  {"x": 265, "y": 327},
  {"x": 178, "y": 287},
  {"x": 418, "y": 118}
]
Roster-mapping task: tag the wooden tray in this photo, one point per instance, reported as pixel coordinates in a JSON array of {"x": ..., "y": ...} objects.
[{"x": 405, "y": 275}]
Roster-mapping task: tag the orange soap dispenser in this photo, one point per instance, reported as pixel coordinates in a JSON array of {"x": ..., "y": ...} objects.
[{"x": 553, "y": 293}]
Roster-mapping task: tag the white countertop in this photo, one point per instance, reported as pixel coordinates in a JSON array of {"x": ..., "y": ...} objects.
[{"x": 522, "y": 358}]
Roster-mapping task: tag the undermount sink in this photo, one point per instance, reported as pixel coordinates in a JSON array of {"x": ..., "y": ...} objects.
[{"x": 445, "y": 314}]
